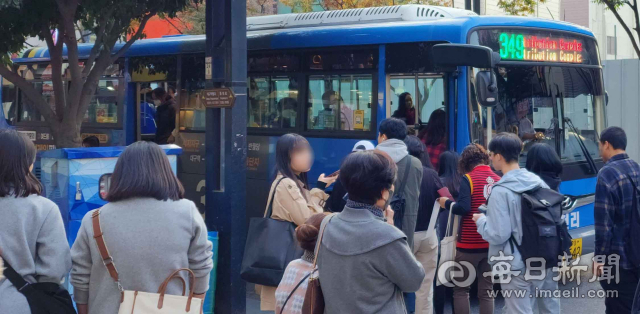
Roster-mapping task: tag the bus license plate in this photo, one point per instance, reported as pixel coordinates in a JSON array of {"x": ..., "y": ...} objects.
[{"x": 576, "y": 248}]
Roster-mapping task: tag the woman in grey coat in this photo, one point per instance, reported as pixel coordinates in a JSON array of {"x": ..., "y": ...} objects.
[
  {"x": 32, "y": 236},
  {"x": 149, "y": 230},
  {"x": 364, "y": 261}
]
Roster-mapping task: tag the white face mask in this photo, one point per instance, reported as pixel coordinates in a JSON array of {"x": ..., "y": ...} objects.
[{"x": 157, "y": 102}]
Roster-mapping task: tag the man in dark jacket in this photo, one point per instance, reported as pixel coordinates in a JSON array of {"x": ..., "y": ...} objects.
[
  {"x": 391, "y": 141},
  {"x": 165, "y": 115},
  {"x": 614, "y": 203}
]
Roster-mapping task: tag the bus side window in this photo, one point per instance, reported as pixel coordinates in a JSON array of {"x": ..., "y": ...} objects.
[
  {"x": 339, "y": 102},
  {"x": 273, "y": 102}
]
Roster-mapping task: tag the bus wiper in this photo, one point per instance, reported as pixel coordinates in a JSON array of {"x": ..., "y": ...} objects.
[{"x": 592, "y": 164}]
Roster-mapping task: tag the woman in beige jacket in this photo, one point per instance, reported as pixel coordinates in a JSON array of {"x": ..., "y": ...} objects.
[{"x": 293, "y": 201}]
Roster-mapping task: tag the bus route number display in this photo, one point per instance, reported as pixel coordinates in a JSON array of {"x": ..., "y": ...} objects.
[{"x": 524, "y": 47}]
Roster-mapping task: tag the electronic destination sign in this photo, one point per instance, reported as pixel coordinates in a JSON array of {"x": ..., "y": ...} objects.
[{"x": 538, "y": 46}]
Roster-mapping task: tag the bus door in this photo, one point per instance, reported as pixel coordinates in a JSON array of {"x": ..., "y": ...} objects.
[
  {"x": 146, "y": 108},
  {"x": 427, "y": 92}
]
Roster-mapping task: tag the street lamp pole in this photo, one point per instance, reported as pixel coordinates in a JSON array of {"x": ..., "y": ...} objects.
[{"x": 226, "y": 152}]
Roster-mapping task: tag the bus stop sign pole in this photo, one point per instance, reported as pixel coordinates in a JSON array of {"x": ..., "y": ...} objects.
[{"x": 226, "y": 151}]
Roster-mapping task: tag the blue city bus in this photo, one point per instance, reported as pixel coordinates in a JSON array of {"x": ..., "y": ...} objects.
[{"x": 549, "y": 83}]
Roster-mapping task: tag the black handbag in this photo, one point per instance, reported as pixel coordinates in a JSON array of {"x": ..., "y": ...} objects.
[
  {"x": 43, "y": 297},
  {"x": 271, "y": 245},
  {"x": 398, "y": 203}
]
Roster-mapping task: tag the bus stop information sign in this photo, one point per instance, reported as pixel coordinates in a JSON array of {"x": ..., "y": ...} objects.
[{"x": 218, "y": 98}]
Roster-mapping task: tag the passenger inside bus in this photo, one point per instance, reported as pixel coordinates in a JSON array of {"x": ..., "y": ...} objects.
[
  {"x": 333, "y": 105},
  {"x": 285, "y": 116},
  {"x": 525, "y": 127},
  {"x": 406, "y": 111},
  {"x": 434, "y": 136},
  {"x": 258, "y": 111},
  {"x": 147, "y": 114},
  {"x": 165, "y": 115},
  {"x": 326, "y": 118}
]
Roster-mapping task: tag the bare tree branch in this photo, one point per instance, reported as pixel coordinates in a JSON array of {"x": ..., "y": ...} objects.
[
  {"x": 30, "y": 93},
  {"x": 55, "y": 51},
  {"x": 91, "y": 82},
  {"x": 133, "y": 38},
  {"x": 635, "y": 13},
  {"x": 174, "y": 26},
  {"x": 67, "y": 13},
  {"x": 97, "y": 44}
]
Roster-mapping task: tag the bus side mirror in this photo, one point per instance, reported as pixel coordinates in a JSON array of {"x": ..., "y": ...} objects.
[
  {"x": 454, "y": 55},
  {"x": 486, "y": 88},
  {"x": 104, "y": 182},
  {"x": 606, "y": 98},
  {"x": 448, "y": 57}
]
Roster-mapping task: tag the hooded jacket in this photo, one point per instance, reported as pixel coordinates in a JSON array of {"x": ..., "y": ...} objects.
[
  {"x": 551, "y": 179},
  {"x": 504, "y": 215},
  {"x": 365, "y": 264},
  {"x": 397, "y": 149}
]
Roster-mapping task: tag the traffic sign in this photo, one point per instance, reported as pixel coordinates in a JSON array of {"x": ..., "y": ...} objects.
[{"x": 218, "y": 98}]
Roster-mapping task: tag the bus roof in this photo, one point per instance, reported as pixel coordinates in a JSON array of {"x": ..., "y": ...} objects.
[{"x": 285, "y": 32}]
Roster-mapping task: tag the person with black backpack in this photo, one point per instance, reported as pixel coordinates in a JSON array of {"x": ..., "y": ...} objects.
[
  {"x": 518, "y": 237},
  {"x": 33, "y": 243},
  {"x": 617, "y": 222}
]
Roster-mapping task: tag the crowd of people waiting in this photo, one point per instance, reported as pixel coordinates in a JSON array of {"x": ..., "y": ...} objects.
[{"x": 350, "y": 238}]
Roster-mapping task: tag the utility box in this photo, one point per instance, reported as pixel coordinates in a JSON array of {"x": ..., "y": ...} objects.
[{"x": 70, "y": 177}]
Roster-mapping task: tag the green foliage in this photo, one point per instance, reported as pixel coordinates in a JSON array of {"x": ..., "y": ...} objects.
[
  {"x": 115, "y": 19},
  {"x": 20, "y": 22},
  {"x": 519, "y": 7},
  {"x": 109, "y": 20},
  {"x": 617, "y": 4}
]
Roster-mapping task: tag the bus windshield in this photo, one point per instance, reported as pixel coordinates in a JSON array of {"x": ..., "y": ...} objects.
[{"x": 544, "y": 104}]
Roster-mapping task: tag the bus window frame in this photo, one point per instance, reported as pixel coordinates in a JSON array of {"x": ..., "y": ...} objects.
[
  {"x": 303, "y": 78},
  {"x": 120, "y": 98},
  {"x": 179, "y": 86},
  {"x": 572, "y": 170}
]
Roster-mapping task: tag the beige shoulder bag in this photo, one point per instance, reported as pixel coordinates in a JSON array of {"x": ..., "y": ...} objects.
[{"x": 139, "y": 302}]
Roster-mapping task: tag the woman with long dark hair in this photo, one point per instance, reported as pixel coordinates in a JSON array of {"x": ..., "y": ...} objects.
[
  {"x": 474, "y": 191},
  {"x": 32, "y": 235},
  {"x": 434, "y": 136},
  {"x": 425, "y": 247},
  {"x": 448, "y": 171},
  {"x": 293, "y": 199},
  {"x": 543, "y": 161},
  {"x": 450, "y": 179},
  {"x": 406, "y": 111},
  {"x": 150, "y": 230}
]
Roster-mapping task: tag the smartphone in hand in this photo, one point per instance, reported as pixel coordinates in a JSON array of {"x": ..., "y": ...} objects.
[{"x": 334, "y": 174}]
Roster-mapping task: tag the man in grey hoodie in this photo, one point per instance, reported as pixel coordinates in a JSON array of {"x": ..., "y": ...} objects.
[
  {"x": 391, "y": 141},
  {"x": 504, "y": 221}
]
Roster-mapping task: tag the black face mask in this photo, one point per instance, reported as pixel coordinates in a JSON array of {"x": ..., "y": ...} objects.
[{"x": 386, "y": 202}]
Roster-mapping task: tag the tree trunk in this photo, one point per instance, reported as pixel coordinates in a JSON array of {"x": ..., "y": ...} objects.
[{"x": 66, "y": 135}]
